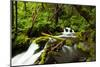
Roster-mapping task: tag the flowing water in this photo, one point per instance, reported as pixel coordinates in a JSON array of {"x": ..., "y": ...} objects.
[{"x": 27, "y": 57}]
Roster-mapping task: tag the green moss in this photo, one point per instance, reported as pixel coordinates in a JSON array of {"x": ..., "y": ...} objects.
[
  {"x": 81, "y": 46},
  {"x": 43, "y": 57}
]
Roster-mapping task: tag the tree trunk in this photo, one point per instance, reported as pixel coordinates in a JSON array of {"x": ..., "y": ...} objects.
[
  {"x": 34, "y": 17},
  {"x": 57, "y": 13},
  {"x": 12, "y": 13},
  {"x": 42, "y": 6},
  {"x": 16, "y": 18}
]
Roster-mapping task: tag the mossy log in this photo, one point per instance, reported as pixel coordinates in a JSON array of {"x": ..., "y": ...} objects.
[{"x": 51, "y": 49}]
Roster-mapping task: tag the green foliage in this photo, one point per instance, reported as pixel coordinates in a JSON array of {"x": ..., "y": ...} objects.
[
  {"x": 81, "y": 20},
  {"x": 21, "y": 39}
]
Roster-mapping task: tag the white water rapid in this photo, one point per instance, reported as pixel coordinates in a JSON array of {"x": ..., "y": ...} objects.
[{"x": 27, "y": 57}]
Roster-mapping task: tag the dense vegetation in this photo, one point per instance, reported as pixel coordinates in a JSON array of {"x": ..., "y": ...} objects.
[{"x": 30, "y": 19}]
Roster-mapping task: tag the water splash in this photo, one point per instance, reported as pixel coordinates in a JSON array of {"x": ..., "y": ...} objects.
[{"x": 27, "y": 57}]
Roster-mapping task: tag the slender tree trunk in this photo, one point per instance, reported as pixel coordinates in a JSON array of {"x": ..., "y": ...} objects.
[
  {"x": 16, "y": 17},
  {"x": 57, "y": 13},
  {"x": 42, "y": 6},
  {"x": 12, "y": 23},
  {"x": 34, "y": 17},
  {"x": 12, "y": 13},
  {"x": 15, "y": 25}
]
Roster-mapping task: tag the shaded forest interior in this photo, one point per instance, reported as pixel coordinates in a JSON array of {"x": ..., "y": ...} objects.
[{"x": 30, "y": 19}]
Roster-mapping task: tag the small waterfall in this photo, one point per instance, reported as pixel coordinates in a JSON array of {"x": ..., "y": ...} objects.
[{"x": 27, "y": 57}]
